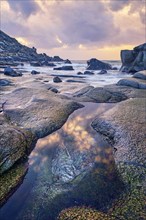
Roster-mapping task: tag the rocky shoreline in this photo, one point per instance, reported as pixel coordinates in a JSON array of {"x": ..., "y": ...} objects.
[{"x": 30, "y": 110}]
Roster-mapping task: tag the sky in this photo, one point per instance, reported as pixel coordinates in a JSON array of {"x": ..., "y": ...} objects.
[{"x": 76, "y": 29}]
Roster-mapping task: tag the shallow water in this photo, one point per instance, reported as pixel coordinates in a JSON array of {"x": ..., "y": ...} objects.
[
  {"x": 112, "y": 76},
  {"x": 48, "y": 187}
]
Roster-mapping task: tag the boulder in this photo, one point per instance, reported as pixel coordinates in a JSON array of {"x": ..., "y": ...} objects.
[
  {"x": 95, "y": 64},
  {"x": 64, "y": 68},
  {"x": 35, "y": 64},
  {"x": 11, "y": 72},
  {"x": 115, "y": 68},
  {"x": 46, "y": 63},
  {"x": 5, "y": 82},
  {"x": 88, "y": 73},
  {"x": 134, "y": 60},
  {"x": 34, "y": 72},
  {"x": 140, "y": 75},
  {"x": 52, "y": 89},
  {"x": 132, "y": 83},
  {"x": 98, "y": 95},
  {"x": 80, "y": 73},
  {"x": 68, "y": 61},
  {"x": 102, "y": 72},
  {"x": 57, "y": 79},
  {"x": 57, "y": 59}
]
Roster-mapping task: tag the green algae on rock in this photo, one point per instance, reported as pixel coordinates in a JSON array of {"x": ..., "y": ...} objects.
[
  {"x": 10, "y": 180},
  {"x": 83, "y": 213}
]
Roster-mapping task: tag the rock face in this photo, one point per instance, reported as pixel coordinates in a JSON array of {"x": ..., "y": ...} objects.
[
  {"x": 28, "y": 115},
  {"x": 95, "y": 64},
  {"x": 11, "y": 72},
  {"x": 102, "y": 72},
  {"x": 12, "y": 51},
  {"x": 134, "y": 60}
]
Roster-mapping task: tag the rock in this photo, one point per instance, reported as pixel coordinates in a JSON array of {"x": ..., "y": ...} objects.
[
  {"x": 11, "y": 72},
  {"x": 114, "y": 68},
  {"x": 140, "y": 75},
  {"x": 80, "y": 73},
  {"x": 5, "y": 82},
  {"x": 98, "y": 95},
  {"x": 46, "y": 63},
  {"x": 57, "y": 79},
  {"x": 15, "y": 143},
  {"x": 57, "y": 59},
  {"x": 52, "y": 89},
  {"x": 88, "y": 73},
  {"x": 34, "y": 72},
  {"x": 102, "y": 72},
  {"x": 11, "y": 180},
  {"x": 64, "y": 68},
  {"x": 95, "y": 64},
  {"x": 132, "y": 83},
  {"x": 68, "y": 76},
  {"x": 134, "y": 60},
  {"x": 124, "y": 127},
  {"x": 74, "y": 81},
  {"x": 68, "y": 61},
  {"x": 29, "y": 114},
  {"x": 37, "y": 64}
]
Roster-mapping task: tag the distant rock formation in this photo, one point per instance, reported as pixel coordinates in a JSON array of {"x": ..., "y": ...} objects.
[
  {"x": 12, "y": 51},
  {"x": 94, "y": 64},
  {"x": 134, "y": 60}
]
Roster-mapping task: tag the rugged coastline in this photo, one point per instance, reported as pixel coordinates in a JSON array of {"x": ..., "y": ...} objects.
[{"x": 30, "y": 111}]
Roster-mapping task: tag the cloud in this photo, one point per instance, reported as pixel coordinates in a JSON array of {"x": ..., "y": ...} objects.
[
  {"x": 58, "y": 25},
  {"x": 26, "y": 8}
]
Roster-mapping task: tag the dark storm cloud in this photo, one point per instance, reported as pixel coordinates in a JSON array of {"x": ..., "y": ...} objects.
[{"x": 25, "y": 7}]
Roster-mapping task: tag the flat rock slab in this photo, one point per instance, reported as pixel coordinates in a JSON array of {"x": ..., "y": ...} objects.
[{"x": 29, "y": 114}]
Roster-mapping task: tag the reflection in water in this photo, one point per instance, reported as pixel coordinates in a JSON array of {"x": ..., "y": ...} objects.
[{"x": 72, "y": 166}]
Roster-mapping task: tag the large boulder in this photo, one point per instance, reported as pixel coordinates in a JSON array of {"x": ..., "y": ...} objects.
[
  {"x": 68, "y": 61},
  {"x": 134, "y": 60},
  {"x": 95, "y": 64},
  {"x": 11, "y": 72}
]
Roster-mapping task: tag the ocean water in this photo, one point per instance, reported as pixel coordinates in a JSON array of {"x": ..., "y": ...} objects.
[{"x": 96, "y": 80}]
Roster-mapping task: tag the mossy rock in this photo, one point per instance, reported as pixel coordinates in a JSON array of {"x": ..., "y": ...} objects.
[
  {"x": 10, "y": 180},
  {"x": 82, "y": 213}
]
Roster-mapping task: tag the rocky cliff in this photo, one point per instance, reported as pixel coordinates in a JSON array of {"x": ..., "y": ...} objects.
[
  {"x": 134, "y": 60},
  {"x": 12, "y": 51}
]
